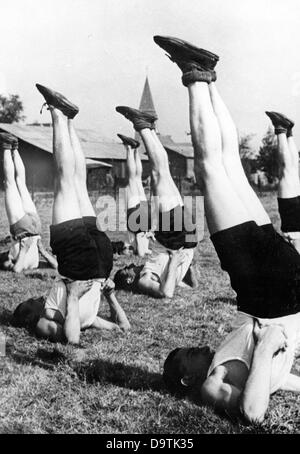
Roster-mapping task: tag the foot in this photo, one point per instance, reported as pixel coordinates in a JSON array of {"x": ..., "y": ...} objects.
[
  {"x": 129, "y": 141},
  {"x": 280, "y": 122},
  {"x": 189, "y": 58},
  {"x": 140, "y": 120},
  {"x": 58, "y": 101},
  {"x": 7, "y": 141}
]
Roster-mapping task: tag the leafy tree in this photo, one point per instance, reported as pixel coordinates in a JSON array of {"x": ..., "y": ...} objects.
[
  {"x": 248, "y": 154},
  {"x": 11, "y": 108},
  {"x": 267, "y": 159}
]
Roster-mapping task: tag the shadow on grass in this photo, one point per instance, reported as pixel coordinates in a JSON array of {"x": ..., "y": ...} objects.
[
  {"x": 221, "y": 300},
  {"x": 6, "y": 317},
  {"x": 120, "y": 374}
]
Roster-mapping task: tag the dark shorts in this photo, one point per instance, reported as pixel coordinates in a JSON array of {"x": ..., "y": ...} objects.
[
  {"x": 28, "y": 225},
  {"x": 176, "y": 229},
  {"x": 289, "y": 210},
  {"x": 139, "y": 217},
  {"x": 264, "y": 269},
  {"x": 83, "y": 252}
]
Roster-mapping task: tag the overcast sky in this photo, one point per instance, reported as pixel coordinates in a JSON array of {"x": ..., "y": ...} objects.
[{"x": 98, "y": 52}]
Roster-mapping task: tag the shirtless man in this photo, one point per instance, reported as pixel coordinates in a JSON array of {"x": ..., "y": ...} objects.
[
  {"x": 256, "y": 358},
  {"x": 138, "y": 209},
  {"x": 24, "y": 221},
  {"x": 175, "y": 238},
  {"x": 289, "y": 182},
  {"x": 84, "y": 253}
]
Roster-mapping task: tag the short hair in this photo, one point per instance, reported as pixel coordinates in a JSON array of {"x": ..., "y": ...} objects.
[
  {"x": 120, "y": 279},
  {"x": 22, "y": 311},
  {"x": 173, "y": 373}
]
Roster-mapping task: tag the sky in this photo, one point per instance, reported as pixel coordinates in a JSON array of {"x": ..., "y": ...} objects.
[{"x": 98, "y": 53}]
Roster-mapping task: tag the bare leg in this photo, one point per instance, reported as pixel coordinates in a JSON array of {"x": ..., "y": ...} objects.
[
  {"x": 66, "y": 206},
  {"x": 20, "y": 176},
  {"x": 232, "y": 162},
  {"x": 139, "y": 173},
  {"x": 223, "y": 207},
  {"x": 132, "y": 190},
  {"x": 163, "y": 185},
  {"x": 86, "y": 207},
  {"x": 13, "y": 201},
  {"x": 289, "y": 184}
]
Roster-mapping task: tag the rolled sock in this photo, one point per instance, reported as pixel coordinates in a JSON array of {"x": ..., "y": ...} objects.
[{"x": 196, "y": 76}]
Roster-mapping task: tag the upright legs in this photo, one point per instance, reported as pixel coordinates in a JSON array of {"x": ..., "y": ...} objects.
[
  {"x": 288, "y": 162},
  {"x": 164, "y": 187},
  {"x": 13, "y": 202},
  {"x": 223, "y": 206},
  {"x": 231, "y": 159},
  {"x": 66, "y": 205},
  {"x": 85, "y": 204}
]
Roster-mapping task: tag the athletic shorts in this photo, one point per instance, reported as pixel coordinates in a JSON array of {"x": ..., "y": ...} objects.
[
  {"x": 173, "y": 232},
  {"x": 264, "y": 269},
  {"x": 139, "y": 217},
  {"x": 83, "y": 252},
  {"x": 28, "y": 225},
  {"x": 289, "y": 210}
]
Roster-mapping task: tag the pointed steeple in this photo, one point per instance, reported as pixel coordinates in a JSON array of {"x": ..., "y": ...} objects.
[{"x": 146, "y": 104}]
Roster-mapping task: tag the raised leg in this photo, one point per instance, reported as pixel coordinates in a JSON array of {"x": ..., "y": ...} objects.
[
  {"x": 20, "y": 177},
  {"x": 66, "y": 206},
  {"x": 288, "y": 163},
  {"x": 232, "y": 162},
  {"x": 139, "y": 174},
  {"x": 13, "y": 201},
  {"x": 164, "y": 187},
  {"x": 86, "y": 207},
  {"x": 223, "y": 206},
  {"x": 132, "y": 189}
]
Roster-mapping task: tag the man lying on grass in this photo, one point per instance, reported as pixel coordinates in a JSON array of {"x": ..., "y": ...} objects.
[
  {"x": 54, "y": 319},
  {"x": 84, "y": 253},
  {"x": 175, "y": 238},
  {"x": 255, "y": 359},
  {"x": 24, "y": 221}
]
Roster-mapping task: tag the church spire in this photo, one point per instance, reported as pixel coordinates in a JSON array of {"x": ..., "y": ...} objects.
[{"x": 146, "y": 104}]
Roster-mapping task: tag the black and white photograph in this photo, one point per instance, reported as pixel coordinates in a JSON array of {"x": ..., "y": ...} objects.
[{"x": 150, "y": 220}]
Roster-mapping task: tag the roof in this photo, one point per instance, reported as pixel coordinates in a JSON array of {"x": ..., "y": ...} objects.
[{"x": 93, "y": 145}]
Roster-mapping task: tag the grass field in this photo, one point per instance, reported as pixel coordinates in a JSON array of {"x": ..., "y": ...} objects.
[{"x": 112, "y": 384}]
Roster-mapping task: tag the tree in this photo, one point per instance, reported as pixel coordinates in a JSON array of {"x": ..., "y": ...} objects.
[
  {"x": 267, "y": 156},
  {"x": 248, "y": 154},
  {"x": 11, "y": 108}
]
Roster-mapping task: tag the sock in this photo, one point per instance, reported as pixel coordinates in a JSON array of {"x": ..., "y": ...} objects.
[{"x": 196, "y": 76}]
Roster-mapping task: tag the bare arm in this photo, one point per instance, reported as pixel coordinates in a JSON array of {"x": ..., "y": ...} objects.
[
  {"x": 75, "y": 290},
  {"x": 256, "y": 394},
  {"x": 219, "y": 395},
  {"x": 50, "y": 329},
  {"x": 168, "y": 287},
  {"x": 292, "y": 383},
  {"x": 49, "y": 257},
  {"x": 118, "y": 316}
]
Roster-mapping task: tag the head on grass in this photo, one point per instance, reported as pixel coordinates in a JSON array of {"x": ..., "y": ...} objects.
[
  {"x": 127, "y": 277},
  {"x": 5, "y": 262},
  {"x": 28, "y": 313},
  {"x": 185, "y": 369}
]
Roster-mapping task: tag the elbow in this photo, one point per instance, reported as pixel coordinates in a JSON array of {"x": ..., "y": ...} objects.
[
  {"x": 252, "y": 413},
  {"x": 166, "y": 294}
]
